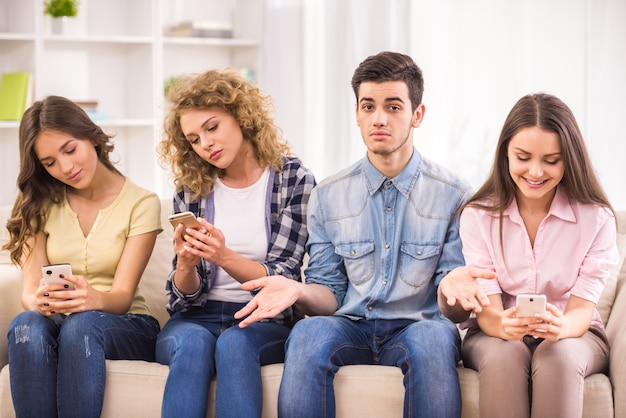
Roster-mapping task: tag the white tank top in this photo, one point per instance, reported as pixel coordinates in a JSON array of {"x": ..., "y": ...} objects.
[{"x": 240, "y": 215}]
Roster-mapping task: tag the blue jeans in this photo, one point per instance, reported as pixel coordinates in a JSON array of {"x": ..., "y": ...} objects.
[
  {"x": 58, "y": 363},
  {"x": 189, "y": 344},
  {"x": 426, "y": 351}
]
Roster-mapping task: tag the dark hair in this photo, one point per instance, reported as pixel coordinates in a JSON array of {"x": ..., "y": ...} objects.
[
  {"x": 37, "y": 189},
  {"x": 549, "y": 113},
  {"x": 391, "y": 66}
]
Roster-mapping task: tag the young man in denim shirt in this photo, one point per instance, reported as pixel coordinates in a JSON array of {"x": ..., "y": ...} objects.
[{"x": 383, "y": 233}]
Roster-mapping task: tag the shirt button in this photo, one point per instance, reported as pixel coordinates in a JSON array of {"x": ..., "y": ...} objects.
[
  {"x": 387, "y": 246},
  {"x": 419, "y": 252},
  {"x": 369, "y": 308},
  {"x": 384, "y": 281},
  {"x": 389, "y": 183},
  {"x": 353, "y": 252},
  {"x": 388, "y": 208}
]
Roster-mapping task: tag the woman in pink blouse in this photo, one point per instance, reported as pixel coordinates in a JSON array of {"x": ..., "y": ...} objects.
[{"x": 544, "y": 225}]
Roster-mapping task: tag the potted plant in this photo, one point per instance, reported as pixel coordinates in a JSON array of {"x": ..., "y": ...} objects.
[
  {"x": 61, "y": 12},
  {"x": 60, "y": 8}
]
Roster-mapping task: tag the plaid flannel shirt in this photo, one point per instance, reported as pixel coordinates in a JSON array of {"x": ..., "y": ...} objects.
[{"x": 288, "y": 196}]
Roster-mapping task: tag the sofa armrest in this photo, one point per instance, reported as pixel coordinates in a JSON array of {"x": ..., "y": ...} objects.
[
  {"x": 10, "y": 304},
  {"x": 616, "y": 332}
]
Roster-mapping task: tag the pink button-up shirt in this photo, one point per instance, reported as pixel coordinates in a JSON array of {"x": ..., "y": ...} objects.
[{"x": 573, "y": 252}]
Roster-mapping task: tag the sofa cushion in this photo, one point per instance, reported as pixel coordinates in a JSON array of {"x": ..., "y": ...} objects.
[
  {"x": 5, "y": 214},
  {"x": 608, "y": 295},
  {"x": 152, "y": 285},
  {"x": 11, "y": 291},
  {"x": 151, "y": 378}
]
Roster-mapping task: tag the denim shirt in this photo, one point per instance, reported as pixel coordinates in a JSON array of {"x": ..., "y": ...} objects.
[{"x": 382, "y": 245}]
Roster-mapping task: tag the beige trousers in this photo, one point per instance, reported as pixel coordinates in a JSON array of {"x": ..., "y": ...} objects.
[{"x": 533, "y": 377}]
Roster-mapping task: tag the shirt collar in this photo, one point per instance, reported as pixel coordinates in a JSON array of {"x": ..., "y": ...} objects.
[
  {"x": 561, "y": 207},
  {"x": 404, "y": 182}
]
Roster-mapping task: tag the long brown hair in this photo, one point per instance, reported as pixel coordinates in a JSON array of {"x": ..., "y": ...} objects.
[
  {"x": 228, "y": 90},
  {"x": 37, "y": 189},
  {"x": 550, "y": 114}
]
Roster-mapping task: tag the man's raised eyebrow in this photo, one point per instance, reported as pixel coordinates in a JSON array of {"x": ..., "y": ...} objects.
[{"x": 388, "y": 99}]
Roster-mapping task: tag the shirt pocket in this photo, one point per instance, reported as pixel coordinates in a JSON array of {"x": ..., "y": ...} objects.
[
  {"x": 358, "y": 259},
  {"x": 418, "y": 263}
]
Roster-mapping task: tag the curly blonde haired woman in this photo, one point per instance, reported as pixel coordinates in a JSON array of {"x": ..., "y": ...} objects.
[{"x": 234, "y": 172}]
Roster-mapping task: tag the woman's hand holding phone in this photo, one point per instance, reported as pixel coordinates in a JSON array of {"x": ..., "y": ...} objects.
[
  {"x": 207, "y": 243},
  {"x": 539, "y": 318},
  {"x": 188, "y": 220},
  {"x": 57, "y": 287}
]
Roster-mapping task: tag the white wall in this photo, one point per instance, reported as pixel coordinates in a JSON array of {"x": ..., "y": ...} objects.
[{"x": 478, "y": 57}]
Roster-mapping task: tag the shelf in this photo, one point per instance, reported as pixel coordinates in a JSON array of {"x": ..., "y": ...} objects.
[
  {"x": 109, "y": 123},
  {"x": 227, "y": 42},
  {"x": 63, "y": 39},
  {"x": 124, "y": 123},
  {"x": 17, "y": 37},
  {"x": 117, "y": 53}
]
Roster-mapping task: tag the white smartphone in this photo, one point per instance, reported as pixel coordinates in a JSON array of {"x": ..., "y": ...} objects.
[
  {"x": 530, "y": 304},
  {"x": 52, "y": 274},
  {"x": 186, "y": 218}
]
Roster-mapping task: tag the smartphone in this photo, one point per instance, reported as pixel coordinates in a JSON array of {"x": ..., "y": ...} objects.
[
  {"x": 530, "y": 304},
  {"x": 52, "y": 274},
  {"x": 186, "y": 218}
]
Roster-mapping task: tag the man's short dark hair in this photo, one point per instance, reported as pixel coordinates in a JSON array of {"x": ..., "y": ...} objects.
[{"x": 391, "y": 66}]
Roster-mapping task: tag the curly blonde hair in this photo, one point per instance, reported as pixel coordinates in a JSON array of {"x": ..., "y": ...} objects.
[{"x": 234, "y": 94}]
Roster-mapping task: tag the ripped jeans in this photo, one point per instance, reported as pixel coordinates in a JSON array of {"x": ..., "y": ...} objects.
[{"x": 57, "y": 364}]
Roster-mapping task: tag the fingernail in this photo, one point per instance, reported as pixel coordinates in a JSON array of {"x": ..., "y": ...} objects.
[
  {"x": 185, "y": 237},
  {"x": 46, "y": 304},
  {"x": 66, "y": 286},
  {"x": 52, "y": 312},
  {"x": 61, "y": 275},
  {"x": 46, "y": 294}
]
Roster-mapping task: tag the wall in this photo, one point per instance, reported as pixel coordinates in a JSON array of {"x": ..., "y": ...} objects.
[{"x": 478, "y": 57}]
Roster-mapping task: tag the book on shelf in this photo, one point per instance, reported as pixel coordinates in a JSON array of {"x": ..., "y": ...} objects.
[
  {"x": 15, "y": 94},
  {"x": 200, "y": 29}
]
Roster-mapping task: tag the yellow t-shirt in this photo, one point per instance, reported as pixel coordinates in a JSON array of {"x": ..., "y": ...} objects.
[{"x": 134, "y": 211}]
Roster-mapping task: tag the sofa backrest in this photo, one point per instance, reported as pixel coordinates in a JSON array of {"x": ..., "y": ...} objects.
[
  {"x": 617, "y": 278},
  {"x": 152, "y": 285}
]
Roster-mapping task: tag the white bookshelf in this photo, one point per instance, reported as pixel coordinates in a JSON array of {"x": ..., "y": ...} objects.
[{"x": 119, "y": 54}]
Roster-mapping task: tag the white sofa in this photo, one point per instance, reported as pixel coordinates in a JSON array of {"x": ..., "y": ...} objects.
[{"x": 134, "y": 388}]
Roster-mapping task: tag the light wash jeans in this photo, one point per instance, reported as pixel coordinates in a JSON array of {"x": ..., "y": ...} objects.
[
  {"x": 200, "y": 343},
  {"x": 426, "y": 351},
  {"x": 58, "y": 363}
]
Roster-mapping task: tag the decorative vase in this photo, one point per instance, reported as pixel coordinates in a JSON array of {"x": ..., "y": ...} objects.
[{"x": 64, "y": 25}]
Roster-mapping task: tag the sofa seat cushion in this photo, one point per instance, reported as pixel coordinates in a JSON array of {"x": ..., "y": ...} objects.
[
  {"x": 598, "y": 394},
  {"x": 139, "y": 385}
]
